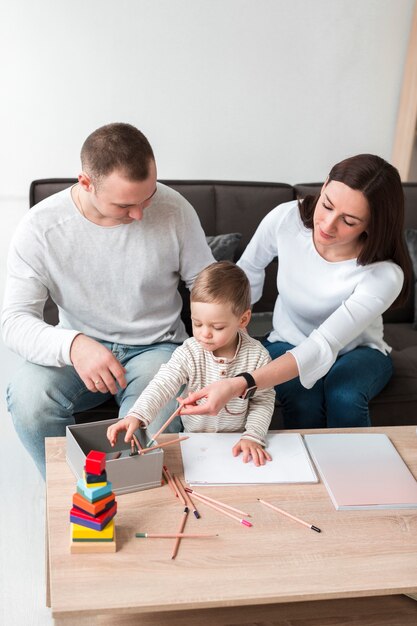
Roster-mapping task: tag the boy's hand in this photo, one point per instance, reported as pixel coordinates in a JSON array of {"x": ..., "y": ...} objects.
[
  {"x": 129, "y": 423},
  {"x": 251, "y": 449}
]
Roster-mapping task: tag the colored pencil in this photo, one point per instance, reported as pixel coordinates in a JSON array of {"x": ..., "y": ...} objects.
[
  {"x": 296, "y": 519},
  {"x": 162, "y": 445},
  {"x": 169, "y": 482},
  {"x": 180, "y": 532},
  {"x": 213, "y": 506},
  {"x": 167, "y": 423},
  {"x": 190, "y": 503},
  {"x": 177, "y": 493},
  {"x": 136, "y": 440},
  {"x": 133, "y": 450},
  {"x": 225, "y": 506},
  {"x": 172, "y": 536}
]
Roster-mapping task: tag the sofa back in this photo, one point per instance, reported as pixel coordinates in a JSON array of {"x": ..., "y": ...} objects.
[{"x": 226, "y": 207}]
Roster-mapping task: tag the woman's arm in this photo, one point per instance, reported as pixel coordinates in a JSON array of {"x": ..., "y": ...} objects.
[{"x": 218, "y": 394}]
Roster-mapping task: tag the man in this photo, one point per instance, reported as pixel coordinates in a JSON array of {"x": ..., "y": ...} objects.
[{"x": 109, "y": 251}]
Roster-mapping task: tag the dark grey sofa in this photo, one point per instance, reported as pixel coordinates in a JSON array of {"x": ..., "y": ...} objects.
[{"x": 226, "y": 207}]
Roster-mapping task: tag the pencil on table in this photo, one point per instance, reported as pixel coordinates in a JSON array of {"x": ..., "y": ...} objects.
[
  {"x": 225, "y": 506},
  {"x": 162, "y": 445},
  {"x": 296, "y": 519},
  {"x": 217, "y": 508},
  {"x": 173, "y": 536},
  {"x": 169, "y": 482},
  {"x": 190, "y": 503},
  {"x": 180, "y": 532},
  {"x": 174, "y": 486}
]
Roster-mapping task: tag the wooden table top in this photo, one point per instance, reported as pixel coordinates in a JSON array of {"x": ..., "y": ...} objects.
[{"x": 358, "y": 553}]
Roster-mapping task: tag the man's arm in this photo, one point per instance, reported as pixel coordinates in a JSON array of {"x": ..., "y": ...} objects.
[
  {"x": 25, "y": 331},
  {"x": 195, "y": 253},
  {"x": 23, "y": 328}
]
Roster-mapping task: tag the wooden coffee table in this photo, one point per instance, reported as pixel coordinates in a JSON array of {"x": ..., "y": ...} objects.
[{"x": 275, "y": 571}]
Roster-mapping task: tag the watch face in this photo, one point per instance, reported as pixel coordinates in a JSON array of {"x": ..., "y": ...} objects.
[{"x": 249, "y": 393}]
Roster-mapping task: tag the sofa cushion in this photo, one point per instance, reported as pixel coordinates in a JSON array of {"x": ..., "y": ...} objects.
[
  {"x": 224, "y": 247},
  {"x": 411, "y": 239}
]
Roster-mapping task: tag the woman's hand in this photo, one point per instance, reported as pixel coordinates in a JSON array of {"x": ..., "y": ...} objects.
[
  {"x": 214, "y": 397},
  {"x": 251, "y": 449}
]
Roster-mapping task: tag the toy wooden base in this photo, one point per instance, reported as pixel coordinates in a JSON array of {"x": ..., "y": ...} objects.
[{"x": 93, "y": 547}]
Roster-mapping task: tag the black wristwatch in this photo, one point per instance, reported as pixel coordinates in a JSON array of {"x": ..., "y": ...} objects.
[{"x": 252, "y": 388}]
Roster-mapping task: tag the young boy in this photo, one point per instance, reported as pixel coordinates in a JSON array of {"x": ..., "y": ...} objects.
[{"x": 220, "y": 348}]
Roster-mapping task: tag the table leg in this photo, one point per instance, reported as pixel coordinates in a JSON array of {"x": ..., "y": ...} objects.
[{"x": 47, "y": 570}]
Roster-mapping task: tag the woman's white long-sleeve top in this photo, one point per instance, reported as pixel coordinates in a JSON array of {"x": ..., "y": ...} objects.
[{"x": 323, "y": 308}]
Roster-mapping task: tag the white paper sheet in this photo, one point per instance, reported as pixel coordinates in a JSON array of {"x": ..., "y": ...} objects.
[{"x": 208, "y": 460}]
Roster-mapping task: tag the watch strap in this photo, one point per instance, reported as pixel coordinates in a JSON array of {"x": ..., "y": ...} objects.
[{"x": 252, "y": 387}]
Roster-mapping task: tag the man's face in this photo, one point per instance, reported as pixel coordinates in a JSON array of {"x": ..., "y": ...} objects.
[{"x": 118, "y": 200}]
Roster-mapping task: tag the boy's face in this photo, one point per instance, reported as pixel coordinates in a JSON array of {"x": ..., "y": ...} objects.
[{"x": 215, "y": 327}]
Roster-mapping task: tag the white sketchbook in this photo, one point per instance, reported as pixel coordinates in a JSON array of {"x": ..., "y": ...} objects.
[
  {"x": 208, "y": 460},
  {"x": 362, "y": 471}
]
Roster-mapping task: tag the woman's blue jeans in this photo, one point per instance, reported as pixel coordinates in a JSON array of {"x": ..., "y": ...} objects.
[
  {"x": 42, "y": 400},
  {"x": 341, "y": 398}
]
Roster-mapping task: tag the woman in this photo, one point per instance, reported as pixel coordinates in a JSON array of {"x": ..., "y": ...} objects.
[{"x": 342, "y": 263}]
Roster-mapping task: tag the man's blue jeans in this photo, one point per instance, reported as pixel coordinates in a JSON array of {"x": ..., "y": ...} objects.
[
  {"x": 341, "y": 398},
  {"x": 42, "y": 400}
]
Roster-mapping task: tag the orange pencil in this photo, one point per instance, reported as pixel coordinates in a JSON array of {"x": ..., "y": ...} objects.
[
  {"x": 225, "y": 506},
  {"x": 296, "y": 519},
  {"x": 162, "y": 445},
  {"x": 213, "y": 506}
]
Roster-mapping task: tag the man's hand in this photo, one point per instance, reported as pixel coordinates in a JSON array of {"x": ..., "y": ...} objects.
[
  {"x": 97, "y": 367},
  {"x": 251, "y": 449}
]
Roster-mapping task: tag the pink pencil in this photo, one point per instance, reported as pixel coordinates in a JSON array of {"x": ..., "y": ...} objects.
[
  {"x": 225, "y": 506},
  {"x": 213, "y": 506},
  {"x": 162, "y": 445}
]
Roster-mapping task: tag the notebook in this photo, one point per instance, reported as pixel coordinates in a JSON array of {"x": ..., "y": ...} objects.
[
  {"x": 207, "y": 459},
  {"x": 362, "y": 471}
]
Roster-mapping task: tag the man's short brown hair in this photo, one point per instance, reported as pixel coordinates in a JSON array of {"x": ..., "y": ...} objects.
[
  {"x": 120, "y": 147},
  {"x": 223, "y": 283}
]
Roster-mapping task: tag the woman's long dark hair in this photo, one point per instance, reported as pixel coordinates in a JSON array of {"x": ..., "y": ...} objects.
[{"x": 381, "y": 185}]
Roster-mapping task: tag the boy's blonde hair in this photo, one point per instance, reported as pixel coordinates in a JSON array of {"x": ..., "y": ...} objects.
[{"x": 223, "y": 283}]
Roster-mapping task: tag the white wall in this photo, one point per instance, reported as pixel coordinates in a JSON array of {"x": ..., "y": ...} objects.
[{"x": 273, "y": 90}]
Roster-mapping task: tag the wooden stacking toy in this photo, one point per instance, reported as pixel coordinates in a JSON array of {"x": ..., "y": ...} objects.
[{"x": 93, "y": 509}]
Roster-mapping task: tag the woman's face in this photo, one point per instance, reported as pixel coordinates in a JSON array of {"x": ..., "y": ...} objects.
[{"x": 341, "y": 216}]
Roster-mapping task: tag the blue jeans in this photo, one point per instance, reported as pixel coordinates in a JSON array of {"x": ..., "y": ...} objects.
[
  {"x": 341, "y": 398},
  {"x": 42, "y": 400}
]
